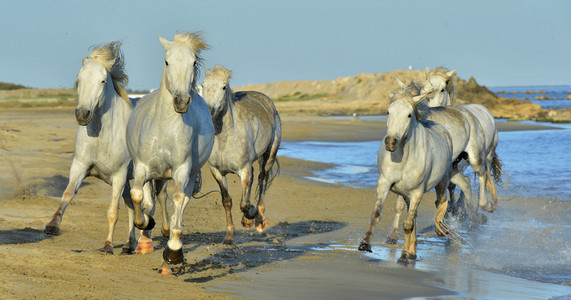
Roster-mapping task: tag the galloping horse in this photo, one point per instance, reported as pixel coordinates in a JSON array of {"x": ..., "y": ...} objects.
[
  {"x": 416, "y": 157},
  {"x": 100, "y": 150},
  {"x": 439, "y": 86},
  {"x": 467, "y": 141},
  {"x": 170, "y": 136},
  {"x": 248, "y": 128}
]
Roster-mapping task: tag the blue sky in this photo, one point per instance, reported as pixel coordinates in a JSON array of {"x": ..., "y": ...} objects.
[{"x": 500, "y": 43}]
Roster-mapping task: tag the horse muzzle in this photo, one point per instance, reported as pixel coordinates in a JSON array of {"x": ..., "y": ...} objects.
[
  {"x": 391, "y": 144},
  {"x": 181, "y": 104},
  {"x": 82, "y": 116}
]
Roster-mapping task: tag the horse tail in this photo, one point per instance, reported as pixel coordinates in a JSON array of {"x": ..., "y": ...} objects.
[
  {"x": 274, "y": 172},
  {"x": 197, "y": 183},
  {"x": 497, "y": 169}
]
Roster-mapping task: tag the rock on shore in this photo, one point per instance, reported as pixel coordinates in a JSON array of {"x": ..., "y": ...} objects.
[{"x": 367, "y": 94}]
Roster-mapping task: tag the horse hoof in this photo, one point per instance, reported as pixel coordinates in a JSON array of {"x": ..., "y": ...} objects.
[
  {"x": 247, "y": 223},
  {"x": 150, "y": 225},
  {"x": 164, "y": 269},
  {"x": 405, "y": 258},
  {"x": 107, "y": 249},
  {"x": 127, "y": 251},
  {"x": 261, "y": 227},
  {"x": 364, "y": 247},
  {"x": 228, "y": 242},
  {"x": 51, "y": 230},
  {"x": 145, "y": 247},
  {"x": 391, "y": 240},
  {"x": 250, "y": 212},
  {"x": 440, "y": 232},
  {"x": 173, "y": 257}
]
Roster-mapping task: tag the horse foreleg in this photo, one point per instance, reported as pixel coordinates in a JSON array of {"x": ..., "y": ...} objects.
[
  {"x": 382, "y": 191},
  {"x": 409, "y": 247},
  {"x": 118, "y": 184},
  {"x": 76, "y": 175},
  {"x": 227, "y": 203},
  {"x": 145, "y": 244},
  {"x": 250, "y": 211},
  {"x": 441, "y": 209},
  {"x": 399, "y": 209},
  {"x": 142, "y": 220},
  {"x": 129, "y": 247},
  {"x": 173, "y": 253},
  {"x": 161, "y": 188}
]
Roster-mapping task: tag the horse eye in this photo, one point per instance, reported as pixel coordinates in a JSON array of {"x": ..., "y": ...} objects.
[
  {"x": 442, "y": 91},
  {"x": 166, "y": 63},
  {"x": 103, "y": 81},
  {"x": 387, "y": 112},
  {"x": 195, "y": 63},
  {"x": 224, "y": 87},
  {"x": 409, "y": 115}
]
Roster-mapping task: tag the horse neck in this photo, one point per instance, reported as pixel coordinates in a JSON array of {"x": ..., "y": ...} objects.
[
  {"x": 224, "y": 121},
  {"x": 416, "y": 136},
  {"x": 164, "y": 98}
]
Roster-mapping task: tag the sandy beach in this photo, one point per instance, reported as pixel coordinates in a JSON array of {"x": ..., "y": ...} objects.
[{"x": 290, "y": 260}]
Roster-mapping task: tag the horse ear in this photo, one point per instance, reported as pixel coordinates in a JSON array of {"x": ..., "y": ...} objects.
[
  {"x": 426, "y": 71},
  {"x": 84, "y": 60},
  {"x": 390, "y": 94},
  {"x": 401, "y": 84},
  {"x": 450, "y": 73},
  {"x": 199, "y": 89},
  {"x": 166, "y": 43}
]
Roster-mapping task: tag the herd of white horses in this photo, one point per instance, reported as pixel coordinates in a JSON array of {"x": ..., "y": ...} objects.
[{"x": 174, "y": 131}]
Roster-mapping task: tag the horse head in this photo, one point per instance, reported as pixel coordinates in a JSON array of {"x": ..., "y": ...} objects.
[
  {"x": 182, "y": 60},
  {"x": 101, "y": 74},
  {"x": 402, "y": 113},
  {"x": 438, "y": 87},
  {"x": 216, "y": 89}
]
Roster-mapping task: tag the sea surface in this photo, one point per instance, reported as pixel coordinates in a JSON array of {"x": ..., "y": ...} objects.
[
  {"x": 554, "y": 97},
  {"x": 526, "y": 244}
]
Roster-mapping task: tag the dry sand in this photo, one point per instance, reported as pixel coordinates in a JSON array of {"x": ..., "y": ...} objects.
[{"x": 36, "y": 148}]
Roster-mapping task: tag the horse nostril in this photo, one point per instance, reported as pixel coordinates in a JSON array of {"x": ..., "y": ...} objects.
[{"x": 82, "y": 115}]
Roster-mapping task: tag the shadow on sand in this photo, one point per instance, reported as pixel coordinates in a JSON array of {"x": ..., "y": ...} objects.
[
  {"x": 252, "y": 249},
  {"x": 22, "y": 236}
]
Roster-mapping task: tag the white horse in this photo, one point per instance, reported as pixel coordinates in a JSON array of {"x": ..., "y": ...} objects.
[
  {"x": 416, "y": 157},
  {"x": 439, "y": 87},
  {"x": 467, "y": 142},
  {"x": 102, "y": 112},
  {"x": 170, "y": 136},
  {"x": 248, "y": 129}
]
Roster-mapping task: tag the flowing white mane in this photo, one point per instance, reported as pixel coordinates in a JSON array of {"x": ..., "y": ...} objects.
[
  {"x": 111, "y": 57},
  {"x": 196, "y": 44}
]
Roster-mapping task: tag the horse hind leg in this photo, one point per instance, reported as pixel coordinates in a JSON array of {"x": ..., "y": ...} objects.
[
  {"x": 399, "y": 209},
  {"x": 250, "y": 211},
  {"x": 441, "y": 208},
  {"x": 264, "y": 181},
  {"x": 226, "y": 203},
  {"x": 77, "y": 174}
]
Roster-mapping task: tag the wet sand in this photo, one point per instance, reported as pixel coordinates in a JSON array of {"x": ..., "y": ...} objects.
[{"x": 290, "y": 260}]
